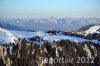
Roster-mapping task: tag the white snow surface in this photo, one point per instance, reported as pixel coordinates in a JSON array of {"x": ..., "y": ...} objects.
[
  {"x": 93, "y": 29},
  {"x": 7, "y": 36},
  {"x": 71, "y": 38}
]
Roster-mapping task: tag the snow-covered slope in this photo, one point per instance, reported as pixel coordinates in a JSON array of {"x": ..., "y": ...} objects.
[
  {"x": 71, "y": 38},
  {"x": 93, "y": 29},
  {"x": 7, "y": 36}
]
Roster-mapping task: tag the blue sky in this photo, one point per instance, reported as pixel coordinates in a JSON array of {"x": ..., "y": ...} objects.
[{"x": 46, "y": 8}]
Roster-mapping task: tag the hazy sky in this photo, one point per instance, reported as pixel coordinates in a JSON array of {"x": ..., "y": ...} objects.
[{"x": 45, "y": 8}]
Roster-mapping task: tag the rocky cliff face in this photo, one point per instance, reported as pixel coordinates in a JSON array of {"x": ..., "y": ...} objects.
[{"x": 60, "y": 53}]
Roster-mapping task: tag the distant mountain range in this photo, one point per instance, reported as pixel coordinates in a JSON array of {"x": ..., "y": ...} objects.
[
  {"x": 11, "y": 27},
  {"x": 44, "y": 24}
]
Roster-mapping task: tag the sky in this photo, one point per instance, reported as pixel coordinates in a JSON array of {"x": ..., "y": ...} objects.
[{"x": 46, "y": 8}]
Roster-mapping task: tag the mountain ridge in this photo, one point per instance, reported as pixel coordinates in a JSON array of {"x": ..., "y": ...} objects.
[{"x": 45, "y": 24}]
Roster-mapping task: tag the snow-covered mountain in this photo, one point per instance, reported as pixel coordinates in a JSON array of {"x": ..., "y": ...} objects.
[
  {"x": 40, "y": 43},
  {"x": 7, "y": 36},
  {"x": 16, "y": 28},
  {"x": 93, "y": 28},
  {"x": 44, "y": 24}
]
